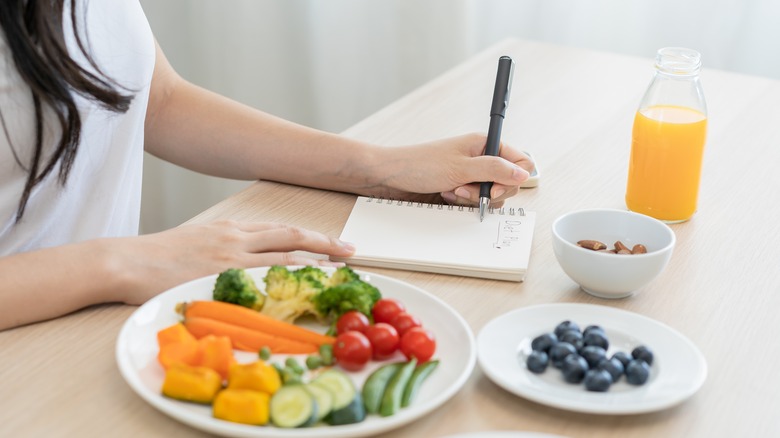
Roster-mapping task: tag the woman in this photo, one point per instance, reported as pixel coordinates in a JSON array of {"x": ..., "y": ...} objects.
[{"x": 85, "y": 90}]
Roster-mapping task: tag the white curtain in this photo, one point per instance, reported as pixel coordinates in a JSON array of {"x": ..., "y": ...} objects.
[{"x": 330, "y": 63}]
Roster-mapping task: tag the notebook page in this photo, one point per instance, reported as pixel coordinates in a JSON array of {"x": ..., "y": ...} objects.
[{"x": 439, "y": 238}]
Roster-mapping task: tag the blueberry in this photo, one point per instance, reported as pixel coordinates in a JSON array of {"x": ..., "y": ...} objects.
[
  {"x": 573, "y": 337},
  {"x": 565, "y": 325},
  {"x": 623, "y": 357},
  {"x": 592, "y": 328},
  {"x": 574, "y": 368},
  {"x": 537, "y": 362},
  {"x": 613, "y": 366},
  {"x": 593, "y": 354},
  {"x": 544, "y": 342},
  {"x": 559, "y": 351},
  {"x": 597, "y": 338},
  {"x": 597, "y": 380},
  {"x": 643, "y": 353},
  {"x": 637, "y": 372}
]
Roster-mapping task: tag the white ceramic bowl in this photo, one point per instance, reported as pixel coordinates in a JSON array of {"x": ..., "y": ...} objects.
[{"x": 611, "y": 275}]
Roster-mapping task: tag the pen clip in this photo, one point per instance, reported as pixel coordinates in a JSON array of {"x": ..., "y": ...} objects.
[{"x": 506, "y": 69}]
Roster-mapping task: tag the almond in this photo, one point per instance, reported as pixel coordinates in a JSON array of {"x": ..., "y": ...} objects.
[
  {"x": 619, "y": 246},
  {"x": 592, "y": 244}
]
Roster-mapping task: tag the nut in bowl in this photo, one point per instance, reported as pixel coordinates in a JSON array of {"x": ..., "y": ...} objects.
[{"x": 596, "y": 265}]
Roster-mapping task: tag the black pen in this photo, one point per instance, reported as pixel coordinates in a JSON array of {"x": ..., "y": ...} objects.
[{"x": 506, "y": 68}]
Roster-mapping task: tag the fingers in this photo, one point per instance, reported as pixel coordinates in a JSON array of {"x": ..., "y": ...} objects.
[
  {"x": 289, "y": 259},
  {"x": 287, "y": 238},
  {"x": 227, "y": 243},
  {"x": 469, "y": 194}
]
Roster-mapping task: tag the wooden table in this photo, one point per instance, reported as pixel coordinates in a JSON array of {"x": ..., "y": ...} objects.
[{"x": 573, "y": 110}]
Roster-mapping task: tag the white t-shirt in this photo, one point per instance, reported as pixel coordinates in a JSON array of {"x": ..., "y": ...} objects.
[{"x": 102, "y": 195}]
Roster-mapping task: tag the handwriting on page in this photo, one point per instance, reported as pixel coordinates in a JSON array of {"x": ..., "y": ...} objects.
[{"x": 509, "y": 233}]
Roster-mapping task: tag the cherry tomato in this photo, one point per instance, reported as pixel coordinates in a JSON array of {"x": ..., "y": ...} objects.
[
  {"x": 384, "y": 340},
  {"x": 404, "y": 321},
  {"x": 352, "y": 320},
  {"x": 385, "y": 309},
  {"x": 352, "y": 350},
  {"x": 418, "y": 342}
]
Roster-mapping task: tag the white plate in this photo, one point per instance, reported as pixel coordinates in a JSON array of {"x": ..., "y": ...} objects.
[
  {"x": 136, "y": 354},
  {"x": 678, "y": 369}
]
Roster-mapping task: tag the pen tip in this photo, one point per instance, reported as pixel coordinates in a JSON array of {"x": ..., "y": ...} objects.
[{"x": 483, "y": 204}]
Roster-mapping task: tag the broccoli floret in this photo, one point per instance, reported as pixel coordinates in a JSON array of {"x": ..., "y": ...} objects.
[
  {"x": 343, "y": 274},
  {"x": 280, "y": 283},
  {"x": 310, "y": 282},
  {"x": 237, "y": 287},
  {"x": 290, "y": 293},
  {"x": 341, "y": 298},
  {"x": 312, "y": 272}
]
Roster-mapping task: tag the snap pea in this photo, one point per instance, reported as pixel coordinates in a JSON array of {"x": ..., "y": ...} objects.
[
  {"x": 375, "y": 386},
  {"x": 391, "y": 399},
  {"x": 421, "y": 372}
]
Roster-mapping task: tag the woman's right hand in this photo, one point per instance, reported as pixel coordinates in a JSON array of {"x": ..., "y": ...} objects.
[{"x": 156, "y": 262}]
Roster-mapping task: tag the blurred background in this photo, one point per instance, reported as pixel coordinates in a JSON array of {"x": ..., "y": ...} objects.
[{"x": 330, "y": 63}]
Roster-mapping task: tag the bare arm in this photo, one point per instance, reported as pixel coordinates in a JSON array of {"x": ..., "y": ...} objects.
[
  {"x": 208, "y": 133},
  {"x": 48, "y": 283}
]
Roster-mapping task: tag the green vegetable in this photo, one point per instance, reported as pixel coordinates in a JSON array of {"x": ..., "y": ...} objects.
[
  {"x": 341, "y": 298},
  {"x": 290, "y": 375},
  {"x": 293, "y": 406},
  {"x": 391, "y": 399},
  {"x": 343, "y": 274},
  {"x": 237, "y": 287},
  {"x": 293, "y": 364},
  {"x": 264, "y": 353},
  {"x": 313, "y": 362},
  {"x": 354, "y": 412},
  {"x": 375, "y": 385},
  {"x": 290, "y": 293},
  {"x": 323, "y": 398},
  {"x": 326, "y": 353},
  {"x": 312, "y": 274},
  {"x": 421, "y": 372},
  {"x": 339, "y": 384},
  {"x": 347, "y": 407}
]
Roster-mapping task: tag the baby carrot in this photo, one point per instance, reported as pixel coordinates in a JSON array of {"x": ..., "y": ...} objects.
[
  {"x": 252, "y": 319},
  {"x": 246, "y": 339}
]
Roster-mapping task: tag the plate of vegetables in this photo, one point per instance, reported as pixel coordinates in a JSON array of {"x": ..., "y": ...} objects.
[
  {"x": 590, "y": 358},
  {"x": 295, "y": 351}
]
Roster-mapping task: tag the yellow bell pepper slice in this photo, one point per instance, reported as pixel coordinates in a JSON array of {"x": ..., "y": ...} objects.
[
  {"x": 192, "y": 384},
  {"x": 257, "y": 376},
  {"x": 242, "y": 406}
]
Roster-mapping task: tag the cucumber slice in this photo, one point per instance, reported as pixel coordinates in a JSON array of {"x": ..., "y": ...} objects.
[
  {"x": 375, "y": 386},
  {"x": 339, "y": 384},
  {"x": 391, "y": 399},
  {"x": 354, "y": 412},
  {"x": 323, "y": 398},
  {"x": 293, "y": 406},
  {"x": 418, "y": 376}
]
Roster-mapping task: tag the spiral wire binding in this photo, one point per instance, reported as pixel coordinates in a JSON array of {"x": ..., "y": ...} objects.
[{"x": 441, "y": 206}]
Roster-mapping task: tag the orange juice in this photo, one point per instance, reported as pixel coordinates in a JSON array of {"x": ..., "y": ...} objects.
[{"x": 665, "y": 165}]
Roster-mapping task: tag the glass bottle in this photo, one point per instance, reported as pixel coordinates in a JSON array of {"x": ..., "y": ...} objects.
[{"x": 668, "y": 137}]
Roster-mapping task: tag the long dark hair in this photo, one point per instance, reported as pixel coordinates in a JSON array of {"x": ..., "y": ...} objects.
[{"x": 34, "y": 31}]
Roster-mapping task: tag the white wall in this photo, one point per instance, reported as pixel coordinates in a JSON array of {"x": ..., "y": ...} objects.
[{"x": 330, "y": 63}]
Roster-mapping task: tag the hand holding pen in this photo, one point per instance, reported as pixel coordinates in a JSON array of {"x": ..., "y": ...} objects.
[{"x": 497, "y": 112}]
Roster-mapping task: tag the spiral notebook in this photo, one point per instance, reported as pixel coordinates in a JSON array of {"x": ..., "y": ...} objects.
[{"x": 440, "y": 238}]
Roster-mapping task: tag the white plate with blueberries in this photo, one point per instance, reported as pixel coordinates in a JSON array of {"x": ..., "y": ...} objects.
[{"x": 590, "y": 358}]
